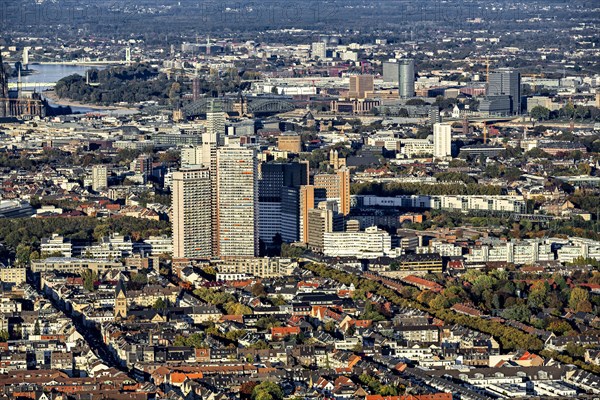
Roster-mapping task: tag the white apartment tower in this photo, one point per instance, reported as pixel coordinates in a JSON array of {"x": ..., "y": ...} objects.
[
  {"x": 99, "y": 177},
  {"x": 237, "y": 202},
  {"x": 191, "y": 219},
  {"x": 442, "y": 140}
]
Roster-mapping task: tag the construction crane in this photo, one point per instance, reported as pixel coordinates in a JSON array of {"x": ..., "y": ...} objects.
[
  {"x": 486, "y": 61},
  {"x": 534, "y": 76}
]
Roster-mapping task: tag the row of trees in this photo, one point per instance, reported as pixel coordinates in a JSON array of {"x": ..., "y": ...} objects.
[
  {"x": 508, "y": 337},
  {"x": 397, "y": 189}
]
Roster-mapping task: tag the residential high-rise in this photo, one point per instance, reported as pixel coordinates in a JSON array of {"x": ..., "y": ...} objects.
[
  {"x": 442, "y": 140},
  {"x": 191, "y": 219},
  {"x": 336, "y": 187},
  {"x": 406, "y": 78},
  {"x": 279, "y": 194},
  {"x": 196, "y": 89},
  {"x": 360, "y": 85},
  {"x": 237, "y": 202},
  {"x": 318, "y": 50},
  {"x": 99, "y": 177},
  {"x": 506, "y": 82},
  {"x": 391, "y": 72}
]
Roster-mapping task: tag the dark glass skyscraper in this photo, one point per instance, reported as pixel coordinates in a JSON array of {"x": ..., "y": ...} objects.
[{"x": 506, "y": 82}]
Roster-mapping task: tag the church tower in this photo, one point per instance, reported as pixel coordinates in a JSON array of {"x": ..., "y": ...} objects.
[{"x": 120, "y": 301}]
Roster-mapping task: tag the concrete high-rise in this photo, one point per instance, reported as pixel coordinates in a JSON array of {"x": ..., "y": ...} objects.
[
  {"x": 506, "y": 82},
  {"x": 406, "y": 78},
  {"x": 99, "y": 177},
  {"x": 215, "y": 121},
  {"x": 442, "y": 140},
  {"x": 336, "y": 187},
  {"x": 318, "y": 50},
  {"x": 321, "y": 220},
  {"x": 306, "y": 203},
  {"x": 237, "y": 202},
  {"x": 391, "y": 72},
  {"x": 191, "y": 219},
  {"x": 360, "y": 85}
]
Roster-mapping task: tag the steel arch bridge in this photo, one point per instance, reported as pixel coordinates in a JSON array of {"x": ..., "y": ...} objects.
[
  {"x": 269, "y": 106},
  {"x": 255, "y": 106}
]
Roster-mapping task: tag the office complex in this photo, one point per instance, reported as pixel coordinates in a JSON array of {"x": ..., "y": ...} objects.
[
  {"x": 442, "y": 140},
  {"x": 391, "y": 72},
  {"x": 335, "y": 187},
  {"x": 506, "y": 82},
  {"x": 279, "y": 200},
  {"x": 99, "y": 177},
  {"x": 406, "y": 78},
  {"x": 306, "y": 203},
  {"x": 360, "y": 85},
  {"x": 237, "y": 202},
  {"x": 191, "y": 219}
]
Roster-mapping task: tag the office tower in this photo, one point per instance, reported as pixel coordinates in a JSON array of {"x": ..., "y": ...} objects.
[
  {"x": 215, "y": 121},
  {"x": 359, "y": 85},
  {"x": 99, "y": 177},
  {"x": 391, "y": 72},
  {"x": 506, "y": 82},
  {"x": 434, "y": 115},
  {"x": 291, "y": 143},
  {"x": 323, "y": 219},
  {"x": 196, "y": 89},
  {"x": 406, "y": 78},
  {"x": 306, "y": 203},
  {"x": 442, "y": 140},
  {"x": 278, "y": 200},
  {"x": 318, "y": 50},
  {"x": 336, "y": 187},
  {"x": 191, "y": 219},
  {"x": 237, "y": 202}
]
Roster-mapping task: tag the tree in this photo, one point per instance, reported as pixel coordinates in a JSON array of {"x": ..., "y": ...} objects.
[
  {"x": 258, "y": 290},
  {"x": 160, "y": 304},
  {"x": 4, "y": 335},
  {"x": 540, "y": 113},
  {"x": 267, "y": 391},
  {"x": 579, "y": 298},
  {"x": 89, "y": 279}
]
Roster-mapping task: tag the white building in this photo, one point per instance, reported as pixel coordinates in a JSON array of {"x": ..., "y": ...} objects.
[
  {"x": 371, "y": 243},
  {"x": 442, "y": 140}
]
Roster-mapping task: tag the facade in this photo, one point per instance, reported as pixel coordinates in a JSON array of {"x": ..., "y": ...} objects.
[
  {"x": 318, "y": 50},
  {"x": 291, "y": 143},
  {"x": 191, "y": 219},
  {"x": 505, "y": 204},
  {"x": 16, "y": 275},
  {"x": 306, "y": 203},
  {"x": 406, "y": 78},
  {"x": 360, "y": 85},
  {"x": 371, "y": 243},
  {"x": 506, "y": 82},
  {"x": 391, "y": 72},
  {"x": 266, "y": 267},
  {"x": 278, "y": 191},
  {"x": 442, "y": 140},
  {"x": 99, "y": 177},
  {"x": 336, "y": 187},
  {"x": 237, "y": 202}
]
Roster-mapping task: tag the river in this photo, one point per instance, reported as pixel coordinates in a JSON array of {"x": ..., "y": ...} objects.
[{"x": 51, "y": 73}]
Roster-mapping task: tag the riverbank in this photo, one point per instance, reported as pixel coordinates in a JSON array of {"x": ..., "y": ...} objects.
[{"x": 54, "y": 99}]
